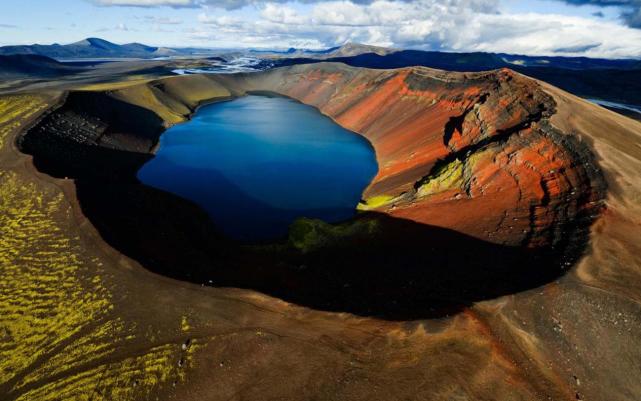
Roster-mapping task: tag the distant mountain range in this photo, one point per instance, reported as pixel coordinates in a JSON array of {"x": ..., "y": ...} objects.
[
  {"x": 350, "y": 53},
  {"x": 98, "y": 48},
  {"x": 390, "y": 58}
]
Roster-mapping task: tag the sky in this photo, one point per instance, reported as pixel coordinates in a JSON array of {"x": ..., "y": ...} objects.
[{"x": 592, "y": 28}]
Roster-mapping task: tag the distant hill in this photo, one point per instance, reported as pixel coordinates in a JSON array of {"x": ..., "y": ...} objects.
[
  {"x": 355, "y": 49},
  {"x": 570, "y": 63},
  {"x": 93, "y": 48},
  {"x": 346, "y": 50},
  {"x": 32, "y": 65},
  {"x": 466, "y": 61},
  {"x": 292, "y": 52}
]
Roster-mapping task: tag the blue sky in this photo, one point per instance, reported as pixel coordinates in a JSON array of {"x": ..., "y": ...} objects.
[{"x": 594, "y": 28}]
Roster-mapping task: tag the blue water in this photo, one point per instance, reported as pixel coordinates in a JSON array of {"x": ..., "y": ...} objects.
[{"x": 257, "y": 163}]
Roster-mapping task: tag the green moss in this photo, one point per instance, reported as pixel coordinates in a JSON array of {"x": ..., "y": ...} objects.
[
  {"x": 448, "y": 176},
  {"x": 309, "y": 235}
]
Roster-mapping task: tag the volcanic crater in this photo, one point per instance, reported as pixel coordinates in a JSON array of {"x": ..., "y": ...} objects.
[{"x": 477, "y": 194}]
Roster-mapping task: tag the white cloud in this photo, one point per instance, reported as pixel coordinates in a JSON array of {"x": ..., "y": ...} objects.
[
  {"x": 146, "y": 3},
  {"x": 119, "y": 27},
  {"x": 282, "y": 14},
  {"x": 451, "y": 25},
  {"x": 163, "y": 20},
  {"x": 224, "y": 4},
  {"x": 554, "y": 35}
]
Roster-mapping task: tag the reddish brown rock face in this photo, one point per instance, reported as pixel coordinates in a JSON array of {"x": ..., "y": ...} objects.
[{"x": 469, "y": 152}]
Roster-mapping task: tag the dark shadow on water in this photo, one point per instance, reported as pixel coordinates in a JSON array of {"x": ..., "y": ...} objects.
[
  {"x": 375, "y": 265},
  {"x": 392, "y": 268},
  {"x": 227, "y": 204}
]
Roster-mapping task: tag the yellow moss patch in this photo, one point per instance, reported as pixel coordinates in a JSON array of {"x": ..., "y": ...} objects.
[
  {"x": 145, "y": 97},
  {"x": 131, "y": 378},
  {"x": 172, "y": 99},
  {"x": 192, "y": 89},
  {"x": 58, "y": 336},
  {"x": 375, "y": 202},
  {"x": 42, "y": 302},
  {"x": 449, "y": 176},
  {"x": 14, "y": 110},
  {"x": 131, "y": 80},
  {"x": 184, "y": 324}
]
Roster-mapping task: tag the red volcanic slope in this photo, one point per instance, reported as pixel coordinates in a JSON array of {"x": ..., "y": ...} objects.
[{"x": 470, "y": 152}]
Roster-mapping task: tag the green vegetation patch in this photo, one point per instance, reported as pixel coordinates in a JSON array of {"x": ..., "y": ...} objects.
[{"x": 309, "y": 235}]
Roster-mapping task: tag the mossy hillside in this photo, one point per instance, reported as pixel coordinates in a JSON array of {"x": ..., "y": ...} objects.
[
  {"x": 145, "y": 96},
  {"x": 172, "y": 100},
  {"x": 122, "y": 82},
  {"x": 15, "y": 110},
  {"x": 59, "y": 335},
  {"x": 192, "y": 90},
  {"x": 56, "y": 315}
]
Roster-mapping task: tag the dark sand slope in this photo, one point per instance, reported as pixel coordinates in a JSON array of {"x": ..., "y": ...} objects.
[
  {"x": 23, "y": 65},
  {"x": 488, "y": 188}
]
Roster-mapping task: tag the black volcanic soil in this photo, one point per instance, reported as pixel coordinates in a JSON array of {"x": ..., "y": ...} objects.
[{"x": 30, "y": 66}]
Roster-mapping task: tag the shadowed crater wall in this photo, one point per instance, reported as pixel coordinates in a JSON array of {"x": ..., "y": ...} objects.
[{"x": 477, "y": 195}]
